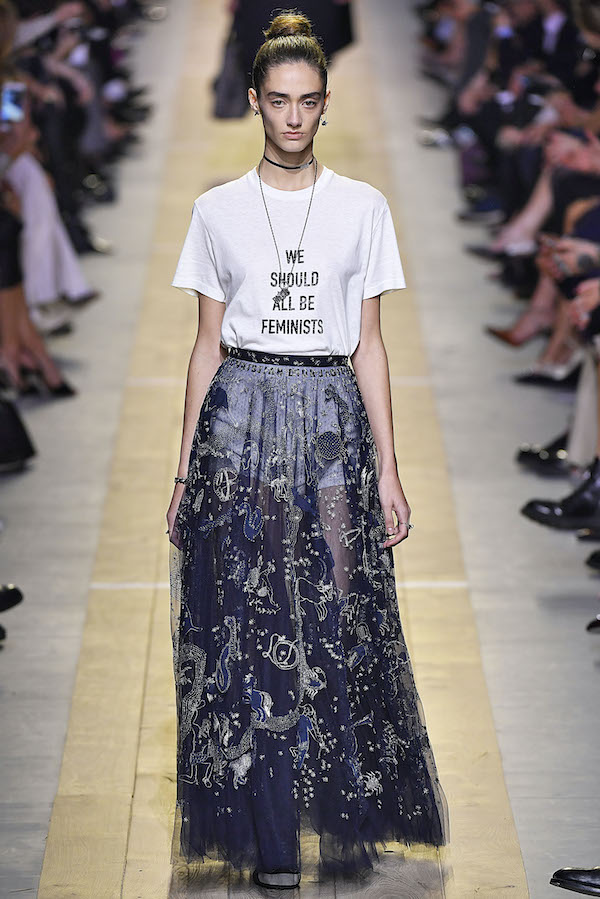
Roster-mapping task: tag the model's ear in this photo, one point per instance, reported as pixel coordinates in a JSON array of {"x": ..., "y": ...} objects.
[{"x": 253, "y": 100}]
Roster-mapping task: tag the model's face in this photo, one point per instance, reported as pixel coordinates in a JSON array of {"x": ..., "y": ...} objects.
[{"x": 291, "y": 102}]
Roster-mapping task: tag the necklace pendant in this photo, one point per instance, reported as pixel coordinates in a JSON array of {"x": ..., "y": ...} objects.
[{"x": 282, "y": 294}]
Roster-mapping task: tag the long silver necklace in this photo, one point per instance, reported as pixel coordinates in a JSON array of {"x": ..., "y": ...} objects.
[{"x": 284, "y": 292}]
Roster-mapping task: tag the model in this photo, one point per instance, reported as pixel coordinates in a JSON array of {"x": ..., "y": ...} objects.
[{"x": 297, "y": 708}]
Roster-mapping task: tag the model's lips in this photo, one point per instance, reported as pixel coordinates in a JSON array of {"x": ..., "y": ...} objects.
[{"x": 293, "y": 134}]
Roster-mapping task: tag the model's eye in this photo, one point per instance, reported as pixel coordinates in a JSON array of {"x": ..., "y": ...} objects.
[
  {"x": 277, "y": 102},
  {"x": 311, "y": 103}
]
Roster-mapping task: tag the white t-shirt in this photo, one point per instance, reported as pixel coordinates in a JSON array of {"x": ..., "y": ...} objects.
[{"x": 349, "y": 253}]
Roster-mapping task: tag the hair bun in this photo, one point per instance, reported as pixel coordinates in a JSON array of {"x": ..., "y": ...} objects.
[{"x": 288, "y": 23}]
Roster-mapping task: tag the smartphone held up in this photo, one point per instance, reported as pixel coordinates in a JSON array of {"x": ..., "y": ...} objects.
[{"x": 12, "y": 104}]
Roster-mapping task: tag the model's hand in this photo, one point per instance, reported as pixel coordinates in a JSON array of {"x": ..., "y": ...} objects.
[
  {"x": 393, "y": 500},
  {"x": 174, "y": 505}
]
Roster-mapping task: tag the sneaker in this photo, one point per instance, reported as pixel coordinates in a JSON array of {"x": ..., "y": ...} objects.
[{"x": 283, "y": 880}]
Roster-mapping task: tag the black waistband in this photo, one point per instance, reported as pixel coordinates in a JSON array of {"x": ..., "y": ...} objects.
[{"x": 286, "y": 358}]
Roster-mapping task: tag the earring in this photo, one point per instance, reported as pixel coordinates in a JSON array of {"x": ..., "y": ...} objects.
[
  {"x": 256, "y": 112},
  {"x": 324, "y": 120}
]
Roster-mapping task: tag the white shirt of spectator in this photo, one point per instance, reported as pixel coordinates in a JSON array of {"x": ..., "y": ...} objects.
[
  {"x": 552, "y": 25},
  {"x": 349, "y": 253}
]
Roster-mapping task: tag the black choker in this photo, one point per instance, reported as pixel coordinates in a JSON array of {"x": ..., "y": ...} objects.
[{"x": 304, "y": 165}]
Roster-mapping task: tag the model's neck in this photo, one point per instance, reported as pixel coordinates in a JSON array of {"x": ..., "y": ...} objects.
[{"x": 287, "y": 179}]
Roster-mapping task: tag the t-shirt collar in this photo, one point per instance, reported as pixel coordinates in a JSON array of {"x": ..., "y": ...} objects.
[{"x": 302, "y": 194}]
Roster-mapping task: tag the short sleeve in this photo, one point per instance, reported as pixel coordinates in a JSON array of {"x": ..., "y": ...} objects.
[
  {"x": 196, "y": 270},
  {"x": 384, "y": 267}
]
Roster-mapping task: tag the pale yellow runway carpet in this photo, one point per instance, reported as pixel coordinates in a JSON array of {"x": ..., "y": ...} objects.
[{"x": 111, "y": 827}]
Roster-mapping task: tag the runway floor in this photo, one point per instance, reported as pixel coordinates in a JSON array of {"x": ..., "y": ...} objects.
[{"x": 493, "y": 606}]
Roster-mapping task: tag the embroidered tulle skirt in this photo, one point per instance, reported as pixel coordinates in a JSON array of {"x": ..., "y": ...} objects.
[{"x": 296, "y": 705}]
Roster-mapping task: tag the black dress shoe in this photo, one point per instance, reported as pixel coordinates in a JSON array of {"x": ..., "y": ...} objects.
[
  {"x": 550, "y": 460},
  {"x": 538, "y": 377},
  {"x": 578, "y": 880},
  {"x": 10, "y": 596},
  {"x": 483, "y": 251},
  {"x": 594, "y": 625},
  {"x": 593, "y": 560},
  {"x": 579, "y": 509}
]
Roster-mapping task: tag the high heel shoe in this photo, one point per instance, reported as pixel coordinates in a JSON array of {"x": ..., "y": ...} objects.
[
  {"x": 277, "y": 886},
  {"x": 28, "y": 386},
  {"x": 41, "y": 386},
  {"x": 544, "y": 374},
  {"x": 507, "y": 335}
]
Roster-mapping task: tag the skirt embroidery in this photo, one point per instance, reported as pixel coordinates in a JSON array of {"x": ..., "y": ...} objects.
[{"x": 295, "y": 696}]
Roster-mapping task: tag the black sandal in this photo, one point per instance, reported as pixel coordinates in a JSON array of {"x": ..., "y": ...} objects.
[{"x": 276, "y": 886}]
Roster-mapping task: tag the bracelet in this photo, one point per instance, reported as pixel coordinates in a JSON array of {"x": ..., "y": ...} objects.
[{"x": 179, "y": 480}]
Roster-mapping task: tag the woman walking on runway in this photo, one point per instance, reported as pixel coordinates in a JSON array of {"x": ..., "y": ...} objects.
[{"x": 297, "y": 709}]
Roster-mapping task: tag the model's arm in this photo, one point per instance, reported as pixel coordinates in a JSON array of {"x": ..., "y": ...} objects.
[
  {"x": 370, "y": 364},
  {"x": 207, "y": 355}
]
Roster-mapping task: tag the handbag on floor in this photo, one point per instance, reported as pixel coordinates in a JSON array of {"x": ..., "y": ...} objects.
[{"x": 15, "y": 444}]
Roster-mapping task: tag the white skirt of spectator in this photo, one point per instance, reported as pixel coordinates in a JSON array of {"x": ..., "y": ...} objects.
[{"x": 51, "y": 267}]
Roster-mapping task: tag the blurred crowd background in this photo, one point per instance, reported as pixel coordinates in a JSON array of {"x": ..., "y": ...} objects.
[
  {"x": 69, "y": 110},
  {"x": 522, "y": 115}
]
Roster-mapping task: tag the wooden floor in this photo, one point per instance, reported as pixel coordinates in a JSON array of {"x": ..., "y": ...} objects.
[{"x": 111, "y": 827}]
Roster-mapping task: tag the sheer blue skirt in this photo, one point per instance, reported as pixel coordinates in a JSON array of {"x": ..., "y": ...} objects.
[{"x": 296, "y": 705}]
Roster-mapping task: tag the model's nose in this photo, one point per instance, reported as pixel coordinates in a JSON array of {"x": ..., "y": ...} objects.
[{"x": 294, "y": 118}]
